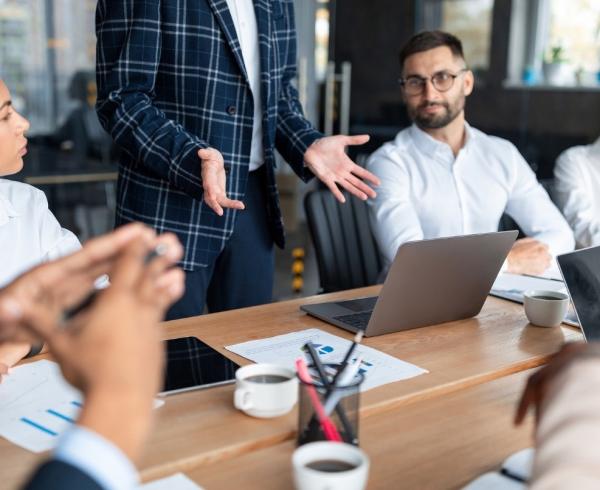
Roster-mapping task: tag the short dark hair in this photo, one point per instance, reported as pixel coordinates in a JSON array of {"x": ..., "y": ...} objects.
[{"x": 426, "y": 40}]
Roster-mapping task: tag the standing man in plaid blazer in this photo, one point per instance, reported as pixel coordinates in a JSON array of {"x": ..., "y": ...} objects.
[{"x": 198, "y": 95}]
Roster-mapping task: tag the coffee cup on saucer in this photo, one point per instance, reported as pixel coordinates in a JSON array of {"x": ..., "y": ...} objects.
[
  {"x": 545, "y": 308},
  {"x": 265, "y": 390},
  {"x": 327, "y": 465}
]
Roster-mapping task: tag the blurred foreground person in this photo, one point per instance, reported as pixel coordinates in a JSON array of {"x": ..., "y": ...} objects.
[
  {"x": 566, "y": 400},
  {"x": 110, "y": 350}
]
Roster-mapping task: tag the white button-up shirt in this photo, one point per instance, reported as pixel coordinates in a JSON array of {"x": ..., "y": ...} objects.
[
  {"x": 29, "y": 232},
  {"x": 577, "y": 174},
  {"x": 98, "y": 458},
  {"x": 427, "y": 192},
  {"x": 244, "y": 19}
]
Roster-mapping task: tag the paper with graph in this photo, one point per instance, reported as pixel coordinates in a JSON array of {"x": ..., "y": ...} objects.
[
  {"x": 379, "y": 368},
  {"x": 37, "y": 405}
]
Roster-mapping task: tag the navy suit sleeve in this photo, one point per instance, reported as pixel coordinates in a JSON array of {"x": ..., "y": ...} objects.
[
  {"x": 294, "y": 132},
  {"x": 56, "y": 475},
  {"x": 127, "y": 60}
]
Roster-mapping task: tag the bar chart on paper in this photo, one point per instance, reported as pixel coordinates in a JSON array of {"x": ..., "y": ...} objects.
[{"x": 37, "y": 405}]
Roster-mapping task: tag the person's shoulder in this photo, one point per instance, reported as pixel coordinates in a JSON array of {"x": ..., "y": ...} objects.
[
  {"x": 22, "y": 196},
  {"x": 394, "y": 150},
  {"x": 492, "y": 142},
  {"x": 573, "y": 154}
]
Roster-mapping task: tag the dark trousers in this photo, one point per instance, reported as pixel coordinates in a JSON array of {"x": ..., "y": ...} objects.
[{"x": 242, "y": 275}]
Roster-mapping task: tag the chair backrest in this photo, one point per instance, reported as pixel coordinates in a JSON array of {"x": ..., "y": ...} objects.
[{"x": 346, "y": 250}]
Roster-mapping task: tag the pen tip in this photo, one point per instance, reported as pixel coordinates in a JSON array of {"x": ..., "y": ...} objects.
[{"x": 359, "y": 335}]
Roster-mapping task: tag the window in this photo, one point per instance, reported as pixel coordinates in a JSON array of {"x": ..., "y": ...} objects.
[
  {"x": 321, "y": 39},
  {"x": 469, "y": 20},
  {"x": 574, "y": 28},
  {"x": 554, "y": 42},
  {"x": 43, "y": 43}
]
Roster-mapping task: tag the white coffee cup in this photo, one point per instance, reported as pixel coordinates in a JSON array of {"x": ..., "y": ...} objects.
[
  {"x": 258, "y": 394},
  {"x": 307, "y": 460},
  {"x": 545, "y": 308}
]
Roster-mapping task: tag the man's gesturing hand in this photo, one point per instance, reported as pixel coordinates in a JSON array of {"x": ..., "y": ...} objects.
[
  {"x": 213, "y": 182},
  {"x": 327, "y": 159}
]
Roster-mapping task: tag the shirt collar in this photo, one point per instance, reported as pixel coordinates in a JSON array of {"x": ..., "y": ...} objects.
[
  {"x": 7, "y": 210},
  {"x": 435, "y": 148}
]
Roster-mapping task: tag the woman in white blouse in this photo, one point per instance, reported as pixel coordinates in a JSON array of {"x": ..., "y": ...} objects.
[
  {"x": 29, "y": 232},
  {"x": 577, "y": 175}
]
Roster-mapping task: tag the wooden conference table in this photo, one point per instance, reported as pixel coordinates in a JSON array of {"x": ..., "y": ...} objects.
[{"x": 437, "y": 430}]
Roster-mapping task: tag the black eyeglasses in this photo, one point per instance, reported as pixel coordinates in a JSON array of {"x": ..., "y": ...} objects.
[{"x": 442, "y": 81}]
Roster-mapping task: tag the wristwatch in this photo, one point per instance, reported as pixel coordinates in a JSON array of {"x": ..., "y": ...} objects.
[{"x": 35, "y": 349}]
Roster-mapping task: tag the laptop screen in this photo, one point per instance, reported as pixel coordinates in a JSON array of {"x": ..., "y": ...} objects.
[{"x": 581, "y": 272}]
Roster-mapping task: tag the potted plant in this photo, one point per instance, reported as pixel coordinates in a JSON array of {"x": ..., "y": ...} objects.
[{"x": 557, "y": 70}]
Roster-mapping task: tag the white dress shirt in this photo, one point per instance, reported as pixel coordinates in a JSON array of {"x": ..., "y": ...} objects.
[
  {"x": 98, "y": 458},
  {"x": 577, "y": 175},
  {"x": 244, "y": 19},
  {"x": 426, "y": 192},
  {"x": 29, "y": 232}
]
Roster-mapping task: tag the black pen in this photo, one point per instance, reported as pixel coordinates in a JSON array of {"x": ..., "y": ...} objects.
[{"x": 329, "y": 387}]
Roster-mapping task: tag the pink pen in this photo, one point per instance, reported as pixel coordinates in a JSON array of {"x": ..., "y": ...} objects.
[{"x": 329, "y": 429}]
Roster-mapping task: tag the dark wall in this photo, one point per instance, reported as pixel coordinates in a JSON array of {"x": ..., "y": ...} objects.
[
  {"x": 369, "y": 33},
  {"x": 541, "y": 122}
]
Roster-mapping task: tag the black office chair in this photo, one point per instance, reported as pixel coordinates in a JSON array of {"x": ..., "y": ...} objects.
[{"x": 347, "y": 254}]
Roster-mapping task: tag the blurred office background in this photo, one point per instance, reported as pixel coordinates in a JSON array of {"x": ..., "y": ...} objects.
[{"x": 537, "y": 66}]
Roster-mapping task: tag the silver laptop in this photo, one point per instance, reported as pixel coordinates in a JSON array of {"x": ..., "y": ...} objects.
[
  {"x": 581, "y": 272},
  {"x": 429, "y": 282}
]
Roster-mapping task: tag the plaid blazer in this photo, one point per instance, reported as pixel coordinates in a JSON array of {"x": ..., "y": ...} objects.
[{"x": 171, "y": 80}]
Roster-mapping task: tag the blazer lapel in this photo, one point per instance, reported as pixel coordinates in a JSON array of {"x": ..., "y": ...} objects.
[{"x": 225, "y": 20}]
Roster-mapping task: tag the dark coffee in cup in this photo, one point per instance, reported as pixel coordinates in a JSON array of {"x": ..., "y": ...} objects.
[
  {"x": 548, "y": 297},
  {"x": 267, "y": 378},
  {"x": 330, "y": 465}
]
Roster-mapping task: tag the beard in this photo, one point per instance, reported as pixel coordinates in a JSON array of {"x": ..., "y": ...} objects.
[{"x": 449, "y": 112}]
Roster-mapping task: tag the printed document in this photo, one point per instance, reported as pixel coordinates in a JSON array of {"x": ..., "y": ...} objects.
[{"x": 378, "y": 368}]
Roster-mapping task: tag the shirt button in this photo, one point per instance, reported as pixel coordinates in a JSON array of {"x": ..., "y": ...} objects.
[{"x": 231, "y": 110}]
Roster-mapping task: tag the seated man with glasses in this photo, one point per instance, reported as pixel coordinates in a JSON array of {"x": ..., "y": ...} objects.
[{"x": 441, "y": 177}]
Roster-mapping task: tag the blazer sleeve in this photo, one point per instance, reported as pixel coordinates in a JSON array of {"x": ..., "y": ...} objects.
[
  {"x": 57, "y": 475},
  {"x": 294, "y": 133},
  {"x": 127, "y": 60}
]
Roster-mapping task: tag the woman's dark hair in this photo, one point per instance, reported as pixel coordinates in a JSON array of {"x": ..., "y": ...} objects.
[{"x": 426, "y": 40}]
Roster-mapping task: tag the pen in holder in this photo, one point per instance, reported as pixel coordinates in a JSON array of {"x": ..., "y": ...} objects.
[{"x": 342, "y": 404}]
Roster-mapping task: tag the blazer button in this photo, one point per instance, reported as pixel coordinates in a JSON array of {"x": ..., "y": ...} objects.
[{"x": 231, "y": 110}]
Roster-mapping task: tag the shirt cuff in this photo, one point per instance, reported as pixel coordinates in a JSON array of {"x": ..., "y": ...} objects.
[{"x": 98, "y": 458}]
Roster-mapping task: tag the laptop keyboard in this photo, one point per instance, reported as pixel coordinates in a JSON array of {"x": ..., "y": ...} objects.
[{"x": 358, "y": 321}]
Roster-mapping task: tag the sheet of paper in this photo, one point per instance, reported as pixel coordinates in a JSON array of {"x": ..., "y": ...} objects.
[
  {"x": 37, "y": 405},
  {"x": 513, "y": 286},
  {"x": 517, "y": 284},
  {"x": 177, "y": 481},
  {"x": 495, "y": 481},
  {"x": 379, "y": 368}
]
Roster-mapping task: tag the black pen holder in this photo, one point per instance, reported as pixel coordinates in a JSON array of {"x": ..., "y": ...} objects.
[{"x": 344, "y": 415}]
